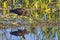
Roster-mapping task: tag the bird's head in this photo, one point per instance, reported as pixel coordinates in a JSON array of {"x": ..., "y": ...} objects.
[{"x": 24, "y": 12}]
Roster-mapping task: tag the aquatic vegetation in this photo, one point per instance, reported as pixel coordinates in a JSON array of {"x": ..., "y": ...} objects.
[{"x": 42, "y": 13}]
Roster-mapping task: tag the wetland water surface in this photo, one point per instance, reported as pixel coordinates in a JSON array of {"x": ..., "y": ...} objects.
[{"x": 29, "y": 36}]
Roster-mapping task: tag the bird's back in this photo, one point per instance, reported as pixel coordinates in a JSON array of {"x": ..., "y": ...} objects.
[{"x": 19, "y": 11}]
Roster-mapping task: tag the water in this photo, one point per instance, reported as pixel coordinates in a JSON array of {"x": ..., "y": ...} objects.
[
  {"x": 41, "y": 35},
  {"x": 28, "y": 36}
]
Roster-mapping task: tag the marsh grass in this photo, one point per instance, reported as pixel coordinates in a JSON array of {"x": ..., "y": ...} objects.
[{"x": 43, "y": 7}]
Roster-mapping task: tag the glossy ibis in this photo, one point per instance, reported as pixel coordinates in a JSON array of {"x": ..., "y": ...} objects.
[
  {"x": 19, "y": 32},
  {"x": 19, "y": 11},
  {"x": 4, "y": 0}
]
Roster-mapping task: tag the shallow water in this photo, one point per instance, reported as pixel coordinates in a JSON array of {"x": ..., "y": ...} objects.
[
  {"x": 28, "y": 36},
  {"x": 5, "y": 34}
]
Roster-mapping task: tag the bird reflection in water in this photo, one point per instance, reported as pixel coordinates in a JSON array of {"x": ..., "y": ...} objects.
[{"x": 19, "y": 32}]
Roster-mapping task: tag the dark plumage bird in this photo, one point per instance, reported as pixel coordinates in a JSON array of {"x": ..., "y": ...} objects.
[
  {"x": 4, "y": 0},
  {"x": 19, "y": 11},
  {"x": 19, "y": 32}
]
